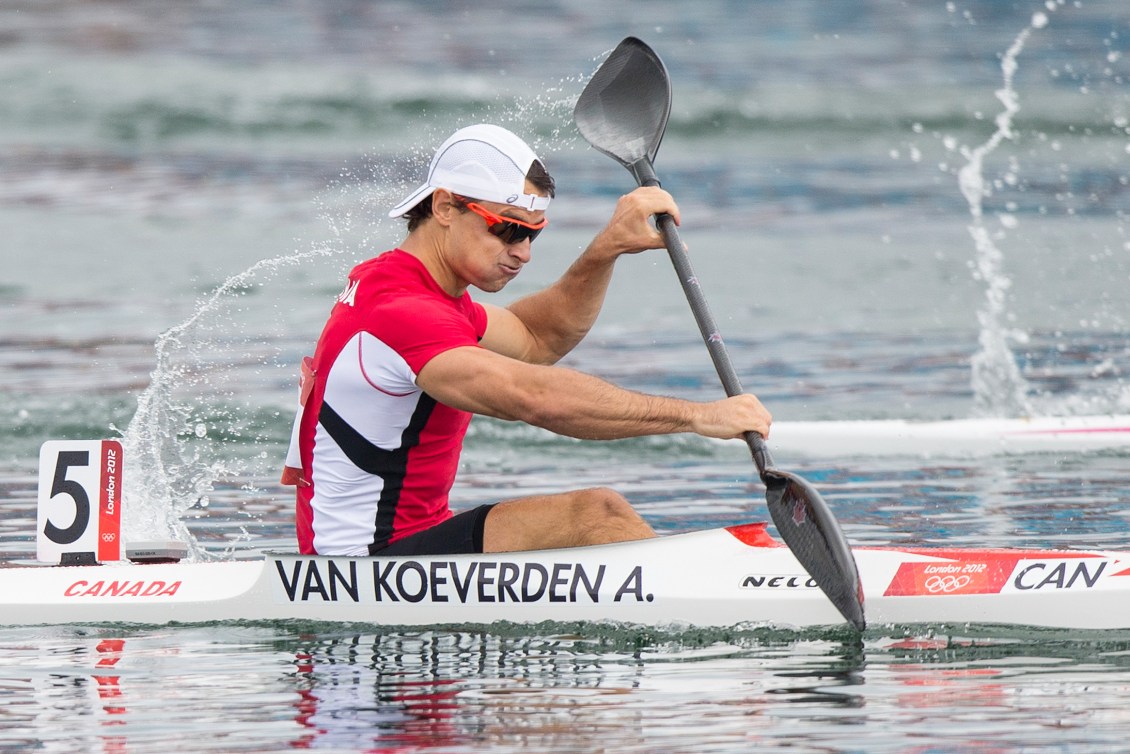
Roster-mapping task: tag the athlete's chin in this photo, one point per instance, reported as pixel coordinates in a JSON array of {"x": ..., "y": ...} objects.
[{"x": 494, "y": 285}]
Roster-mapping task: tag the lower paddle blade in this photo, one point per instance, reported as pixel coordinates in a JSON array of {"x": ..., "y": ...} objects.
[
  {"x": 811, "y": 532},
  {"x": 623, "y": 110}
]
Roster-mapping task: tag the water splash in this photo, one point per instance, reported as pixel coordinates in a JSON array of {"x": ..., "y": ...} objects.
[
  {"x": 171, "y": 467},
  {"x": 174, "y": 456},
  {"x": 999, "y": 388}
]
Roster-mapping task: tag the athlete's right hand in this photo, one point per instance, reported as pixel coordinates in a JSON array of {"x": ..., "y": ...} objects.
[
  {"x": 730, "y": 418},
  {"x": 631, "y": 229}
]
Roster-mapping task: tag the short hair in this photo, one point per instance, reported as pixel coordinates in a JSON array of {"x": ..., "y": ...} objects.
[{"x": 537, "y": 175}]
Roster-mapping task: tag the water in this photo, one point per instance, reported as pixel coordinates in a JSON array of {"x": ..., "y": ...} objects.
[
  {"x": 897, "y": 210},
  {"x": 457, "y": 691}
]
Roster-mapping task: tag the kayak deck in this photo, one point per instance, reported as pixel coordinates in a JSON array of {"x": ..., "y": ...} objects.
[{"x": 715, "y": 578}]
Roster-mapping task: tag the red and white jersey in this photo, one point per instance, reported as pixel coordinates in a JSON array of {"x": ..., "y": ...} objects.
[{"x": 379, "y": 453}]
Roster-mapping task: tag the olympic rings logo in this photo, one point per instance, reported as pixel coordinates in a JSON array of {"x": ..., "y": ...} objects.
[
  {"x": 108, "y": 537},
  {"x": 946, "y": 584}
]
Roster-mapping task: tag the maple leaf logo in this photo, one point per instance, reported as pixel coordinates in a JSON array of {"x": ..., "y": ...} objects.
[{"x": 800, "y": 512}]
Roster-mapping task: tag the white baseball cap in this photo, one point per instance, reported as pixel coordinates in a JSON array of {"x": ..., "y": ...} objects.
[{"x": 480, "y": 162}]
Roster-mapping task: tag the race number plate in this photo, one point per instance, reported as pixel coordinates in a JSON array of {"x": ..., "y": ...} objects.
[{"x": 80, "y": 511}]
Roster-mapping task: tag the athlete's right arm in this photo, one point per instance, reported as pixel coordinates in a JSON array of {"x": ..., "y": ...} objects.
[{"x": 575, "y": 404}]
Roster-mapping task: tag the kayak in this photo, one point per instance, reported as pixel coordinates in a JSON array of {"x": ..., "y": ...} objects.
[
  {"x": 956, "y": 437},
  {"x": 733, "y": 576}
]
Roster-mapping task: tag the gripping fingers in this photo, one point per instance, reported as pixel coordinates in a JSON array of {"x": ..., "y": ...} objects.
[
  {"x": 760, "y": 419},
  {"x": 731, "y": 418}
]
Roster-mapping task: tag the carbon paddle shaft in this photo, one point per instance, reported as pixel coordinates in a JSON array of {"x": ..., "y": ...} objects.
[
  {"x": 677, "y": 250},
  {"x": 623, "y": 113}
]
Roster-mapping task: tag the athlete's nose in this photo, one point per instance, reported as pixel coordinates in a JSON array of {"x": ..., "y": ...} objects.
[{"x": 521, "y": 250}]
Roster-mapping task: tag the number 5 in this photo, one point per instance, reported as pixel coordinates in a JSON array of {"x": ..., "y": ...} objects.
[{"x": 60, "y": 485}]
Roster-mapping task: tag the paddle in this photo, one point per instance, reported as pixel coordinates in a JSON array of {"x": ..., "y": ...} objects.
[{"x": 623, "y": 113}]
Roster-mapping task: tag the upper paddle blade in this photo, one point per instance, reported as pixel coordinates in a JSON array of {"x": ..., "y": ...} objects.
[
  {"x": 810, "y": 530},
  {"x": 624, "y": 108}
]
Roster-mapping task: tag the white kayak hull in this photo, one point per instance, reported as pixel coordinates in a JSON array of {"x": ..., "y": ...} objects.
[
  {"x": 958, "y": 437},
  {"x": 721, "y": 577}
]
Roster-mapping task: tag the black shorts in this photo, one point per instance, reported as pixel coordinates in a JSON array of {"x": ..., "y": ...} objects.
[{"x": 458, "y": 535}]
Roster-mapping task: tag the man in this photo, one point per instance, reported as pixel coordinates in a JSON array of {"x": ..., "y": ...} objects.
[{"x": 406, "y": 357}]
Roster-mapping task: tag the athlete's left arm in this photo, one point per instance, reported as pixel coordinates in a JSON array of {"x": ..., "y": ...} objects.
[{"x": 542, "y": 327}]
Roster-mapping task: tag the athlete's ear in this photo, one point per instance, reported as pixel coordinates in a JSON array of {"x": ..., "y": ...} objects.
[{"x": 444, "y": 206}]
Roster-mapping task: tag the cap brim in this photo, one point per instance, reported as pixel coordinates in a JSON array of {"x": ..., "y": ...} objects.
[{"x": 412, "y": 200}]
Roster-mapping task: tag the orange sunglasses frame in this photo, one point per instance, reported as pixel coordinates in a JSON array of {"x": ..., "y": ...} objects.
[{"x": 507, "y": 223}]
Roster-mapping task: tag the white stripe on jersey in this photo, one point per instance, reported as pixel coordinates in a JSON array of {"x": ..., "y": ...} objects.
[{"x": 373, "y": 389}]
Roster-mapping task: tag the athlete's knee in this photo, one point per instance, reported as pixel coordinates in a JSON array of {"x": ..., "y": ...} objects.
[
  {"x": 602, "y": 503},
  {"x": 606, "y": 516}
]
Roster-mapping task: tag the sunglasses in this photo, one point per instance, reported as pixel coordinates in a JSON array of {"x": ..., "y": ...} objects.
[{"x": 507, "y": 229}]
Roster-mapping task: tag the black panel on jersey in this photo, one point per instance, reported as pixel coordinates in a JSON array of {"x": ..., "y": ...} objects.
[{"x": 390, "y": 465}]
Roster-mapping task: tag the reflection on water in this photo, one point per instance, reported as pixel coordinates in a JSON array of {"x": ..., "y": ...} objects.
[{"x": 562, "y": 689}]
